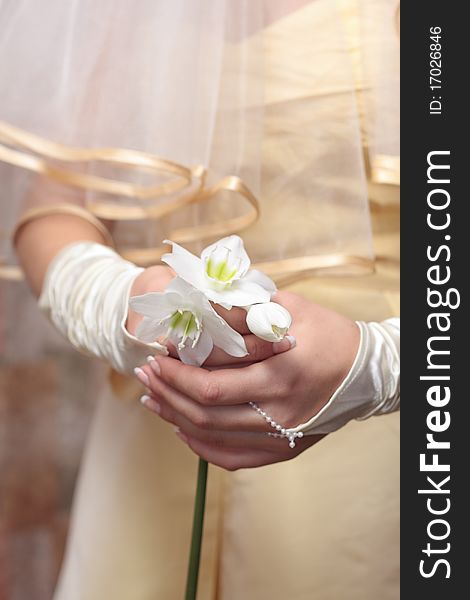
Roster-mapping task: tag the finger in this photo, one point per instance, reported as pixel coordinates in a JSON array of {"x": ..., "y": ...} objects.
[
  {"x": 240, "y": 417},
  {"x": 244, "y": 441},
  {"x": 213, "y": 437},
  {"x": 258, "y": 382},
  {"x": 233, "y": 459},
  {"x": 257, "y": 349},
  {"x": 171, "y": 349},
  {"x": 229, "y": 458},
  {"x": 236, "y": 318}
]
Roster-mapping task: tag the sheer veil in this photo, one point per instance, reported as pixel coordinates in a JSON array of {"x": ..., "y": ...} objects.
[{"x": 190, "y": 120}]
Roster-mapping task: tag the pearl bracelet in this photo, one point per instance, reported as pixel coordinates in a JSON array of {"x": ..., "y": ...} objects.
[{"x": 281, "y": 432}]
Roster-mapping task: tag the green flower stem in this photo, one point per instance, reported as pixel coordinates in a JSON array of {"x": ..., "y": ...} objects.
[{"x": 196, "y": 539}]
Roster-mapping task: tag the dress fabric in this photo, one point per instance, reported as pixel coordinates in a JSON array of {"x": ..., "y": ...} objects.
[
  {"x": 322, "y": 152},
  {"x": 324, "y": 526}
]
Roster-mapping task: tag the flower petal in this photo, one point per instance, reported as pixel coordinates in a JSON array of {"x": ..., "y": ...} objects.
[
  {"x": 234, "y": 243},
  {"x": 241, "y": 293},
  {"x": 255, "y": 276},
  {"x": 197, "y": 355},
  {"x": 148, "y": 330},
  {"x": 223, "y": 335},
  {"x": 218, "y": 298},
  {"x": 188, "y": 266},
  {"x": 269, "y": 321},
  {"x": 153, "y": 304},
  {"x": 179, "y": 286}
]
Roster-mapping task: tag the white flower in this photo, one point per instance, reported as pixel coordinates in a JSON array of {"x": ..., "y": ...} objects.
[
  {"x": 269, "y": 321},
  {"x": 222, "y": 273},
  {"x": 184, "y": 316}
]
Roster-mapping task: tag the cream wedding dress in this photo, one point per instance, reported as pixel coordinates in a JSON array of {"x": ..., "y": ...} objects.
[{"x": 298, "y": 100}]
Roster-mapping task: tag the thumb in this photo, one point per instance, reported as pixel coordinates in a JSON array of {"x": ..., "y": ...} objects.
[{"x": 287, "y": 343}]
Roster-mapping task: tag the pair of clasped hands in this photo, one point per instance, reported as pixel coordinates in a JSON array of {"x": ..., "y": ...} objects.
[{"x": 290, "y": 380}]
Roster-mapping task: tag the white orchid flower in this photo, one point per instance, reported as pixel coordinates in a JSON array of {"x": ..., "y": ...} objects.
[
  {"x": 184, "y": 316},
  {"x": 222, "y": 273},
  {"x": 269, "y": 321}
]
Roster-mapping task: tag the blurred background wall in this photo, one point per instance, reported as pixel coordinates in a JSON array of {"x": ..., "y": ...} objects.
[{"x": 46, "y": 402}]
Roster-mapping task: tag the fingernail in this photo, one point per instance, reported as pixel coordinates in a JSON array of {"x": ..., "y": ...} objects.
[
  {"x": 292, "y": 341},
  {"x": 150, "y": 403},
  {"x": 287, "y": 343},
  {"x": 142, "y": 376},
  {"x": 144, "y": 399},
  {"x": 182, "y": 437},
  {"x": 154, "y": 366},
  {"x": 150, "y": 358}
]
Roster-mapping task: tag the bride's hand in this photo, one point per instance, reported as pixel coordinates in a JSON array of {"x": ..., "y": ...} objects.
[
  {"x": 153, "y": 279},
  {"x": 210, "y": 407},
  {"x": 156, "y": 278}
]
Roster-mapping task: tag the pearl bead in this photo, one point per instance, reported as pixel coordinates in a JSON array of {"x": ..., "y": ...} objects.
[{"x": 283, "y": 432}]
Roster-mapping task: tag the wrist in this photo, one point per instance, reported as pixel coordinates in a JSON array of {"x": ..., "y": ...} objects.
[
  {"x": 152, "y": 279},
  {"x": 372, "y": 384},
  {"x": 86, "y": 296}
]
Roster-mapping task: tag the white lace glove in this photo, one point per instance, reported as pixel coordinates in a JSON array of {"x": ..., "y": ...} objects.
[
  {"x": 86, "y": 295},
  {"x": 372, "y": 386}
]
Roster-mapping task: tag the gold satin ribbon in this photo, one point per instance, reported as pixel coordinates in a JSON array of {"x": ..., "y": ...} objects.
[
  {"x": 283, "y": 271},
  {"x": 62, "y": 209},
  {"x": 385, "y": 169},
  {"x": 29, "y": 151},
  {"x": 10, "y": 272},
  {"x": 13, "y": 136},
  {"x": 40, "y": 150}
]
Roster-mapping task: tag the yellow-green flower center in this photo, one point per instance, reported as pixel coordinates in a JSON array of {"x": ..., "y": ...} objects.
[
  {"x": 221, "y": 270},
  {"x": 184, "y": 324},
  {"x": 222, "y": 267},
  {"x": 280, "y": 332}
]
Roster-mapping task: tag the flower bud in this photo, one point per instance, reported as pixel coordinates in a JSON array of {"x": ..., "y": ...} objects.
[{"x": 269, "y": 321}]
